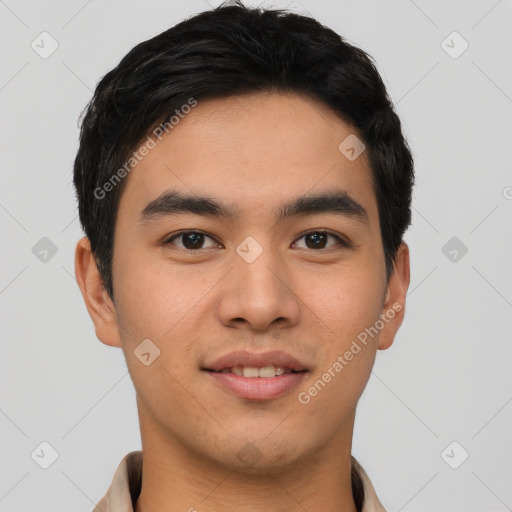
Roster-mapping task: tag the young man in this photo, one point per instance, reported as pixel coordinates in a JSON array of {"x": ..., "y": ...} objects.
[{"x": 244, "y": 186}]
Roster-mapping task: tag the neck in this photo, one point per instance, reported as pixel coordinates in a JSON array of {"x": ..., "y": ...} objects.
[{"x": 175, "y": 478}]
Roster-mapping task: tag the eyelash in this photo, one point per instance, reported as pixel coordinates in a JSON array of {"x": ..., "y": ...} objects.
[{"x": 342, "y": 242}]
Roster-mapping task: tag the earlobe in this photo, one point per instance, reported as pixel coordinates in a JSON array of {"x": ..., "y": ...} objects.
[
  {"x": 394, "y": 306},
  {"x": 99, "y": 305}
]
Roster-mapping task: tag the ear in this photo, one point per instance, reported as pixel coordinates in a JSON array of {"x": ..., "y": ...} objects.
[
  {"x": 99, "y": 305},
  {"x": 394, "y": 304}
]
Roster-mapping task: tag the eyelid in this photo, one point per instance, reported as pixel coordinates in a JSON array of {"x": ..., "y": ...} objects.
[
  {"x": 342, "y": 241},
  {"x": 169, "y": 239}
]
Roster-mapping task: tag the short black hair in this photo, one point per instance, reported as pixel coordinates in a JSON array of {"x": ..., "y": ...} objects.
[{"x": 227, "y": 51}]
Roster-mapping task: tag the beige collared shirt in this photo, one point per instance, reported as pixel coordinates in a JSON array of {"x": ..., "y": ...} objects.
[{"x": 126, "y": 484}]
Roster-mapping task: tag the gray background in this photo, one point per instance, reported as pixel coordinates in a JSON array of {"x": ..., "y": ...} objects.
[{"x": 446, "y": 378}]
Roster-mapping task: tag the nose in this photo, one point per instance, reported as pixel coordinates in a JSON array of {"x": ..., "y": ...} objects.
[{"x": 258, "y": 295}]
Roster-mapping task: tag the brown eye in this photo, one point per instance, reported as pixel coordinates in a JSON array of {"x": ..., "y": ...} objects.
[
  {"x": 190, "y": 240},
  {"x": 319, "y": 240}
]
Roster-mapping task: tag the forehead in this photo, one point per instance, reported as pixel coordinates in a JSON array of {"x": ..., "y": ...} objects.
[{"x": 254, "y": 151}]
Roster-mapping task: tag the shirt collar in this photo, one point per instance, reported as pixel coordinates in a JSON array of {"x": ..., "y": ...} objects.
[{"x": 126, "y": 484}]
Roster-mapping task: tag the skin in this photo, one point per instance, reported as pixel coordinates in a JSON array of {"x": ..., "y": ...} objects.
[{"x": 253, "y": 152}]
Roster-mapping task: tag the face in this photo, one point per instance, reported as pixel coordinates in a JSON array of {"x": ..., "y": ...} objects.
[{"x": 249, "y": 275}]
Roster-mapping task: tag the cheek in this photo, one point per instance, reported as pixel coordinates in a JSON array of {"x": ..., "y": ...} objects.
[
  {"x": 345, "y": 308},
  {"x": 345, "y": 302},
  {"x": 156, "y": 302},
  {"x": 166, "y": 304},
  {"x": 346, "y": 305},
  {"x": 156, "y": 299}
]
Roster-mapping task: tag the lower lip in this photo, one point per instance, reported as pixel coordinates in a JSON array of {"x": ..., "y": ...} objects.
[{"x": 258, "y": 388}]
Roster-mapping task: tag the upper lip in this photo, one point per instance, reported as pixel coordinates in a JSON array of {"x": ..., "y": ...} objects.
[{"x": 258, "y": 360}]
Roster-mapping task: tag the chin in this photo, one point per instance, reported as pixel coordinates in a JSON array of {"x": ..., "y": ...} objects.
[{"x": 261, "y": 456}]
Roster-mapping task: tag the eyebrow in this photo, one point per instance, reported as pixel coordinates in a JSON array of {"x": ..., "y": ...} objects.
[{"x": 173, "y": 202}]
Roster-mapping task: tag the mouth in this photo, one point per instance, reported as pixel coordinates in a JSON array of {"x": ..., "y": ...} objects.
[
  {"x": 251, "y": 363},
  {"x": 253, "y": 376},
  {"x": 264, "y": 372},
  {"x": 256, "y": 388}
]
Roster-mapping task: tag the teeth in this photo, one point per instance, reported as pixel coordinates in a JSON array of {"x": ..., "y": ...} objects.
[
  {"x": 266, "y": 371},
  {"x": 252, "y": 371}
]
